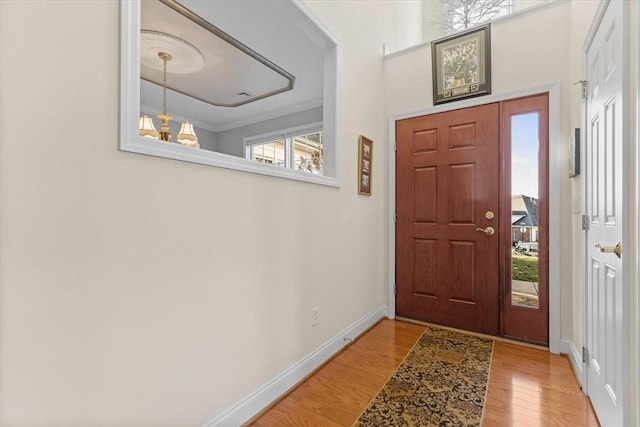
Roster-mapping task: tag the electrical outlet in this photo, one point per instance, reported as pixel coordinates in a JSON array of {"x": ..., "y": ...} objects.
[{"x": 315, "y": 316}]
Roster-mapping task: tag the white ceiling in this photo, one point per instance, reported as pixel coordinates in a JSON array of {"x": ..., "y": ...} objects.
[{"x": 277, "y": 30}]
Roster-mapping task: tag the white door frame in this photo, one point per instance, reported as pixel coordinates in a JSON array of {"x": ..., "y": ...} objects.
[
  {"x": 555, "y": 166},
  {"x": 637, "y": 261},
  {"x": 636, "y": 380},
  {"x": 626, "y": 163}
]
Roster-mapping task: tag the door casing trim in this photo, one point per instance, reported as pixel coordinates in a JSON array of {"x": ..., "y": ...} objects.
[
  {"x": 637, "y": 260},
  {"x": 553, "y": 89}
]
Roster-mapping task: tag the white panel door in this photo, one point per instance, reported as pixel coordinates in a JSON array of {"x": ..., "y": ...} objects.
[{"x": 606, "y": 329}]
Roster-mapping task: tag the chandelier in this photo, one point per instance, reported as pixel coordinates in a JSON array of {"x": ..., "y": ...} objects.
[{"x": 187, "y": 135}]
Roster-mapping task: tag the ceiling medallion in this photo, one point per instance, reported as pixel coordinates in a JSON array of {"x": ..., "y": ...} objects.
[{"x": 187, "y": 59}]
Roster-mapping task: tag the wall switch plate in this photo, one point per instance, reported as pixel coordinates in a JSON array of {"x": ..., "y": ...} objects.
[{"x": 315, "y": 316}]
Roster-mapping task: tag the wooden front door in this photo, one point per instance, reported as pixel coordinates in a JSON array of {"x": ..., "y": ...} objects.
[{"x": 447, "y": 200}]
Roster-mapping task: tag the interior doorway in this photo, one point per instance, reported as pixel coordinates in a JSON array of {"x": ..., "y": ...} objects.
[
  {"x": 607, "y": 189},
  {"x": 454, "y": 224}
]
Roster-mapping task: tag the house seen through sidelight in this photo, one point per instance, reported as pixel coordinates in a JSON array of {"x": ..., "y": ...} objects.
[{"x": 524, "y": 210}]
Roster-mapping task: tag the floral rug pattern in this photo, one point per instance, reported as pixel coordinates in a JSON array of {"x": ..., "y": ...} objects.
[{"x": 442, "y": 382}]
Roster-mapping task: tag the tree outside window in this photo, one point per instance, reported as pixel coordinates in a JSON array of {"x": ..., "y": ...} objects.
[{"x": 457, "y": 15}]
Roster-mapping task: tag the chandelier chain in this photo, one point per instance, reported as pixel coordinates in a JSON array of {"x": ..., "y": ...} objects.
[{"x": 164, "y": 85}]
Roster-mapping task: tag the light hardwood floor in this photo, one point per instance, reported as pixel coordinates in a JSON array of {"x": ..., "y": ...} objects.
[{"x": 527, "y": 387}]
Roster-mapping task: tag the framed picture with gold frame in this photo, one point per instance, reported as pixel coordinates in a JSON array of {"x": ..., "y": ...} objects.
[{"x": 365, "y": 165}]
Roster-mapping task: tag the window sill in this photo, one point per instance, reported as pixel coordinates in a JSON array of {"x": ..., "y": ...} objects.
[{"x": 211, "y": 158}]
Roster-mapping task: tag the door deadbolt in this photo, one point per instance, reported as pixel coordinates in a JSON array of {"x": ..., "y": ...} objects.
[{"x": 489, "y": 215}]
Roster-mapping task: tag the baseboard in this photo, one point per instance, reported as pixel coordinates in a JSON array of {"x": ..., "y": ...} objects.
[
  {"x": 568, "y": 347},
  {"x": 261, "y": 398}
]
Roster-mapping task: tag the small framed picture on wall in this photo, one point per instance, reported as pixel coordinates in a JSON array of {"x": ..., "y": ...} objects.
[{"x": 365, "y": 164}]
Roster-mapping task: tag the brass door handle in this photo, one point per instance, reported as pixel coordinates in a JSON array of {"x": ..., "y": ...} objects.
[
  {"x": 489, "y": 231},
  {"x": 617, "y": 249}
]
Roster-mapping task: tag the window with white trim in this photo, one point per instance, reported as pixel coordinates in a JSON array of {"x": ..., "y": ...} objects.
[{"x": 300, "y": 149}]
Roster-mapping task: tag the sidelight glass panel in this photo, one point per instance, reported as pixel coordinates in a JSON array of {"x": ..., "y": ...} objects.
[{"x": 525, "y": 146}]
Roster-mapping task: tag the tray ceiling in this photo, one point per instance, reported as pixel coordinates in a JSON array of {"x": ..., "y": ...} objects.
[{"x": 279, "y": 46}]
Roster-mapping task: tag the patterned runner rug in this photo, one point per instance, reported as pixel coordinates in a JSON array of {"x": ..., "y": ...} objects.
[{"x": 441, "y": 382}]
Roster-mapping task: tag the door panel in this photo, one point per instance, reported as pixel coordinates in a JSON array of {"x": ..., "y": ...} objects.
[
  {"x": 425, "y": 207},
  {"x": 424, "y": 272},
  {"x": 447, "y": 179}
]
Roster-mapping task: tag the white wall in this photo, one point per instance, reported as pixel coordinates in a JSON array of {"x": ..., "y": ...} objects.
[
  {"x": 405, "y": 20},
  {"x": 231, "y": 141},
  {"x": 208, "y": 140},
  {"x": 519, "y": 5},
  {"x": 431, "y": 16},
  {"x": 143, "y": 291}
]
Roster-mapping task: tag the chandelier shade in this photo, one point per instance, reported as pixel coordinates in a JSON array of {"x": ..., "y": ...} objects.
[
  {"x": 146, "y": 128},
  {"x": 187, "y": 135}
]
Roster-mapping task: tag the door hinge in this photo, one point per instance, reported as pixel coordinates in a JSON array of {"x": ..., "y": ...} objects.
[
  {"x": 583, "y": 83},
  {"x": 395, "y": 289},
  {"x": 395, "y": 220},
  {"x": 585, "y": 355},
  {"x": 585, "y": 222}
]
